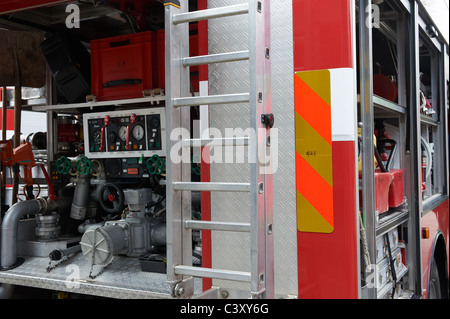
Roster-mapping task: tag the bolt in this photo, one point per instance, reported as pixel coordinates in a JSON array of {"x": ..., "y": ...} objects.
[{"x": 180, "y": 291}]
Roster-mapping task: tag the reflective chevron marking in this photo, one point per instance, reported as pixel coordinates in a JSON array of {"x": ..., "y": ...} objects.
[{"x": 314, "y": 161}]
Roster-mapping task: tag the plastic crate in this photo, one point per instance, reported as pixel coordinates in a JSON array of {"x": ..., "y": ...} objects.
[
  {"x": 69, "y": 62},
  {"x": 122, "y": 67},
  {"x": 396, "y": 192}
]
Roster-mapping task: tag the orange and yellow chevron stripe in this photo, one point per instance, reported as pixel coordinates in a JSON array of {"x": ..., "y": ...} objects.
[{"x": 314, "y": 160}]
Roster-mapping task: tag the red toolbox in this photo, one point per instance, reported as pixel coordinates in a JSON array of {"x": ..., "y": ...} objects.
[
  {"x": 123, "y": 67},
  {"x": 396, "y": 193},
  {"x": 193, "y": 51},
  {"x": 382, "y": 186}
]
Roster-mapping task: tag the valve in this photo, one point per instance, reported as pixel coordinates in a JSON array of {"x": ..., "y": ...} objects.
[
  {"x": 132, "y": 121},
  {"x": 111, "y": 197},
  {"x": 63, "y": 165},
  {"x": 84, "y": 166},
  {"x": 155, "y": 165}
]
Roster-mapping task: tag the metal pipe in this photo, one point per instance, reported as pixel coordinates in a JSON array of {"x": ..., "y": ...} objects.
[
  {"x": 81, "y": 198},
  {"x": 58, "y": 254},
  {"x": 10, "y": 225}
]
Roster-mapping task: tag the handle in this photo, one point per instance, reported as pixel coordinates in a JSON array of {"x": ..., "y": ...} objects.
[
  {"x": 102, "y": 134},
  {"x": 392, "y": 153},
  {"x": 122, "y": 82},
  {"x": 132, "y": 121}
]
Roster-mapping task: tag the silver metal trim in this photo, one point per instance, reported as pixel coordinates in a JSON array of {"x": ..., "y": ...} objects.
[
  {"x": 213, "y": 273},
  {"x": 212, "y": 187},
  {"x": 210, "y": 100},
  {"x": 237, "y": 141},
  {"x": 220, "y": 226},
  {"x": 216, "y": 58},
  {"x": 210, "y": 13}
]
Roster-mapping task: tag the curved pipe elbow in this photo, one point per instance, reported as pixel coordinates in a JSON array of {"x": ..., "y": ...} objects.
[{"x": 10, "y": 223}]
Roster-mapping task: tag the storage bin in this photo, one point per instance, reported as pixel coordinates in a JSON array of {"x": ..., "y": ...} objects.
[{"x": 122, "y": 67}]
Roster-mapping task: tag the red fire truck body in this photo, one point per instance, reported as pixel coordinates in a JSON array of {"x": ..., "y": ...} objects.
[{"x": 359, "y": 206}]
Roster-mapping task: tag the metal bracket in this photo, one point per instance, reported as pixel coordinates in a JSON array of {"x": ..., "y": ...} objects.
[{"x": 183, "y": 289}]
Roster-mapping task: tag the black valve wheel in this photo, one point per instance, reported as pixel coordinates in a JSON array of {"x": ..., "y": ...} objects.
[{"x": 112, "y": 198}]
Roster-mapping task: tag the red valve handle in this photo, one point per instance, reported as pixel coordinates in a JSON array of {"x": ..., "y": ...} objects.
[
  {"x": 102, "y": 140},
  {"x": 132, "y": 121}
]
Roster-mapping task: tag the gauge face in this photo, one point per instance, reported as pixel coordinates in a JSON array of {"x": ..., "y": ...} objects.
[
  {"x": 97, "y": 138},
  {"x": 123, "y": 133},
  {"x": 138, "y": 132}
]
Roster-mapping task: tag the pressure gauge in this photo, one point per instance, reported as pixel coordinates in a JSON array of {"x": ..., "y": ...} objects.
[
  {"x": 123, "y": 133},
  {"x": 138, "y": 132},
  {"x": 97, "y": 137}
]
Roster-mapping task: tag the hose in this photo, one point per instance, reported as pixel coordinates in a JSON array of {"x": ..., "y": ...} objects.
[{"x": 365, "y": 247}]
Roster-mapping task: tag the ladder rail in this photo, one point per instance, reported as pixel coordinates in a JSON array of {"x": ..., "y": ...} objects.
[
  {"x": 212, "y": 99},
  {"x": 216, "y": 58},
  {"x": 207, "y": 14},
  {"x": 178, "y": 205},
  {"x": 212, "y": 187},
  {"x": 219, "y": 226},
  {"x": 213, "y": 273},
  {"x": 179, "y": 185},
  {"x": 230, "y": 141}
]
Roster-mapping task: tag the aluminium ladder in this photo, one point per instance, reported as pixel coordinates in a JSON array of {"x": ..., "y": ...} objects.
[{"x": 178, "y": 187}]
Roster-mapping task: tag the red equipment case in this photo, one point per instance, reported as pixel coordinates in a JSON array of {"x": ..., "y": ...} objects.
[
  {"x": 124, "y": 66},
  {"x": 396, "y": 191}
]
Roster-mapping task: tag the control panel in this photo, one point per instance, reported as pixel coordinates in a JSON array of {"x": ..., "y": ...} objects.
[{"x": 125, "y": 134}]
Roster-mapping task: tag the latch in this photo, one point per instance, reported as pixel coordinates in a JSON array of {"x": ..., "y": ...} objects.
[{"x": 268, "y": 120}]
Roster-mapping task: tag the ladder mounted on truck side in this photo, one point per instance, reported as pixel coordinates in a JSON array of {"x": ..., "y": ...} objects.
[{"x": 180, "y": 271}]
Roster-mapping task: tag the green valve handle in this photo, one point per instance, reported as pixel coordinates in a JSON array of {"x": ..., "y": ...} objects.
[
  {"x": 63, "y": 165},
  {"x": 84, "y": 166},
  {"x": 155, "y": 165},
  {"x": 196, "y": 168}
]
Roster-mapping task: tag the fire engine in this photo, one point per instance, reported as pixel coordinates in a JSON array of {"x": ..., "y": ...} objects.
[{"x": 224, "y": 149}]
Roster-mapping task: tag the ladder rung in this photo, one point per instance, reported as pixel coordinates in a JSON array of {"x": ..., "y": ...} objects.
[
  {"x": 213, "y": 99},
  {"x": 211, "y": 187},
  {"x": 216, "y": 58},
  {"x": 210, "y": 13},
  {"x": 213, "y": 273},
  {"x": 235, "y": 141},
  {"x": 220, "y": 226}
]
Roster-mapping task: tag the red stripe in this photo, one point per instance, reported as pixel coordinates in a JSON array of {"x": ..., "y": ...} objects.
[
  {"x": 313, "y": 109},
  {"x": 203, "y": 41},
  {"x": 315, "y": 189},
  {"x": 322, "y": 34},
  {"x": 205, "y": 175},
  {"x": 328, "y": 263},
  {"x": 9, "y": 120}
]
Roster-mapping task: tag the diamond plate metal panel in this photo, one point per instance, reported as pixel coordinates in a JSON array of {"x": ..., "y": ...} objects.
[
  {"x": 72, "y": 276},
  {"x": 232, "y": 251}
]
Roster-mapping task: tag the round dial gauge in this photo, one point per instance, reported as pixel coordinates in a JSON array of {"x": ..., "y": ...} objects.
[
  {"x": 97, "y": 138},
  {"x": 123, "y": 133},
  {"x": 138, "y": 132}
]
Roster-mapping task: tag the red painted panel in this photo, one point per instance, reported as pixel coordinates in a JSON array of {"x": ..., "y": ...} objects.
[
  {"x": 436, "y": 220},
  {"x": 322, "y": 34},
  {"x": 205, "y": 174},
  {"x": 9, "y": 120},
  {"x": 328, "y": 263},
  {"x": 8, "y": 6}
]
